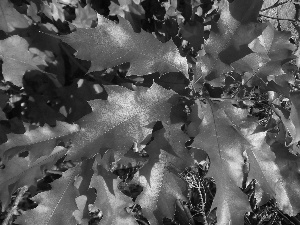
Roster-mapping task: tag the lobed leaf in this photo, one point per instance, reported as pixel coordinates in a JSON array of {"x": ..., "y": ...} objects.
[
  {"x": 271, "y": 50},
  {"x": 276, "y": 170},
  {"x": 17, "y": 59},
  {"x": 229, "y": 38},
  {"x": 111, "y": 44},
  {"x": 10, "y": 18},
  {"x": 219, "y": 136},
  {"x": 39, "y": 135},
  {"x": 158, "y": 200},
  {"x": 124, "y": 118},
  {"x": 55, "y": 206},
  {"x": 23, "y": 171},
  {"x": 112, "y": 205}
]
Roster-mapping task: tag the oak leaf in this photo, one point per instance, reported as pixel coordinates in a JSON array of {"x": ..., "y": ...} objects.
[
  {"x": 17, "y": 59},
  {"x": 124, "y": 118},
  {"x": 271, "y": 50},
  {"x": 220, "y": 137},
  {"x": 25, "y": 171},
  {"x": 161, "y": 186},
  {"x": 10, "y": 18},
  {"x": 114, "y": 205},
  {"x": 111, "y": 44},
  {"x": 55, "y": 206},
  {"x": 229, "y": 38}
]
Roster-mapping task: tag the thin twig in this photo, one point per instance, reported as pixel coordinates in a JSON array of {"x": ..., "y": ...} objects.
[
  {"x": 239, "y": 88},
  {"x": 12, "y": 210},
  {"x": 223, "y": 99},
  {"x": 275, "y": 18},
  {"x": 54, "y": 172},
  {"x": 273, "y": 6},
  {"x": 191, "y": 78}
]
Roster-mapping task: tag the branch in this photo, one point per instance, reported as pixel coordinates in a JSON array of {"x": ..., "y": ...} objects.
[
  {"x": 275, "y": 18},
  {"x": 12, "y": 210},
  {"x": 275, "y": 5}
]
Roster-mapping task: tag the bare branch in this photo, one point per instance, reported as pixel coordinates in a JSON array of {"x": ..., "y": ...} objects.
[
  {"x": 275, "y": 5},
  {"x": 275, "y": 18}
]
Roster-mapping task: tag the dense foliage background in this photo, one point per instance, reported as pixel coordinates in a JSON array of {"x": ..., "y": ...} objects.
[{"x": 149, "y": 112}]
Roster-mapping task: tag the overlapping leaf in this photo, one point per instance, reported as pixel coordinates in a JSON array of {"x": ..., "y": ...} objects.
[
  {"x": 193, "y": 32},
  {"x": 124, "y": 118},
  {"x": 220, "y": 138},
  {"x": 158, "y": 200},
  {"x": 111, "y": 44},
  {"x": 171, "y": 140},
  {"x": 162, "y": 187},
  {"x": 229, "y": 39},
  {"x": 270, "y": 51},
  {"x": 84, "y": 16},
  {"x": 22, "y": 171},
  {"x": 274, "y": 167},
  {"x": 237, "y": 41},
  {"x": 115, "y": 123},
  {"x": 54, "y": 10},
  {"x": 292, "y": 121},
  {"x": 114, "y": 205},
  {"x": 86, "y": 194},
  {"x": 280, "y": 13},
  {"x": 10, "y": 18},
  {"x": 276, "y": 170},
  {"x": 18, "y": 59},
  {"x": 44, "y": 135},
  {"x": 55, "y": 206},
  {"x": 129, "y": 10}
]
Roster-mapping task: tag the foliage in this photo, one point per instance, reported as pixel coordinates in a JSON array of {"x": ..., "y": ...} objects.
[{"x": 149, "y": 112}]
